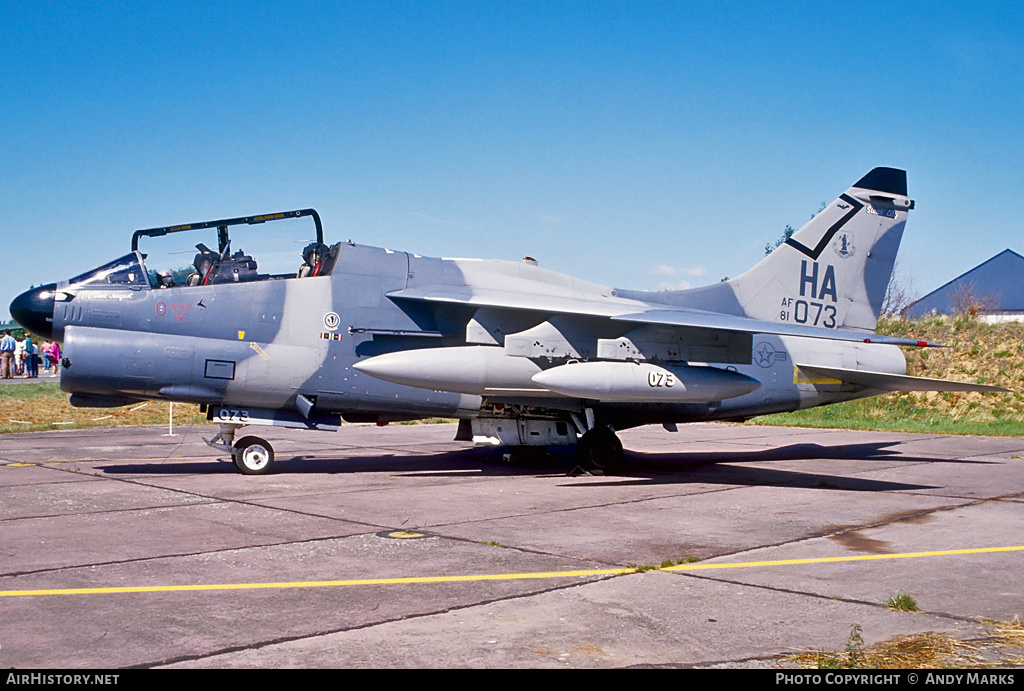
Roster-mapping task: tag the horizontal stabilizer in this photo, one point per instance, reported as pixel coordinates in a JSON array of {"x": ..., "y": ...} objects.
[
  {"x": 628, "y": 310},
  {"x": 896, "y": 382},
  {"x": 713, "y": 321}
]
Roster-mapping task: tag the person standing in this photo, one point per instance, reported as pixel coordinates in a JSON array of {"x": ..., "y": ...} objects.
[
  {"x": 35, "y": 360},
  {"x": 7, "y": 348},
  {"x": 30, "y": 351},
  {"x": 44, "y": 353},
  {"x": 55, "y": 357},
  {"x": 19, "y": 356}
]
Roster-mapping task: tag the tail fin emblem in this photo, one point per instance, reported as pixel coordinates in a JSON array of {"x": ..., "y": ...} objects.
[{"x": 843, "y": 246}]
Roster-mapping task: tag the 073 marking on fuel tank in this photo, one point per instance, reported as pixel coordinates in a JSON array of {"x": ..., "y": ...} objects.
[{"x": 660, "y": 379}]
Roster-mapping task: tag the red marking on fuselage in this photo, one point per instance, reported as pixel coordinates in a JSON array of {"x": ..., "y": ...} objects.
[{"x": 180, "y": 309}]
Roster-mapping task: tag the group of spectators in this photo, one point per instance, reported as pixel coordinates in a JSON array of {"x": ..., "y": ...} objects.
[{"x": 23, "y": 357}]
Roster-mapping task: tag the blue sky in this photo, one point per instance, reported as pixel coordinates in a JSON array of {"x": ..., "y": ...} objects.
[{"x": 636, "y": 144}]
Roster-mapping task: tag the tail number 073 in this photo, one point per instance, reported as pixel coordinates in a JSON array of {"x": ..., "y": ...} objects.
[{"x": 815, "y": 313}]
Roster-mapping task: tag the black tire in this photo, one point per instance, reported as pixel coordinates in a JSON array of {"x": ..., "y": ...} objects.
[
  {"x": 599, "y": 449},
  {"x": 253, "y": 456}
]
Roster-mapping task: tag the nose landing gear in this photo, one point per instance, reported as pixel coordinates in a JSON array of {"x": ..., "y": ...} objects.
[{"x": 252, "y": 455}]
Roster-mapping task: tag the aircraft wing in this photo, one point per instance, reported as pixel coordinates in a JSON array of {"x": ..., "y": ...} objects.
[
  {"x": 895, "y": 382},
  {"x": 539, "y": 302},
  {"x": 637, "y": 312}
]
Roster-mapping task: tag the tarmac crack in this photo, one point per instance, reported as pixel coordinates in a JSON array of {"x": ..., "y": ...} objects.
[
  {"x": 820, "y": 596},
  {"x": 177, "y": 555},
  {"x": 368, "y": 625}
]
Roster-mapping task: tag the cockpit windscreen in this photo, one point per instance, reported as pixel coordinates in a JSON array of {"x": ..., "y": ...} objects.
[{"x": 126, "y": 271}]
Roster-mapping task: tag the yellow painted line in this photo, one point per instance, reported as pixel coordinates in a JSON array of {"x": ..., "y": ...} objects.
[
  {"x": 484, "y": 577},
  {"x": 318, "y": 584},
  {"x": 91, "y": 459},
  {"x": 827, "y": 560}
]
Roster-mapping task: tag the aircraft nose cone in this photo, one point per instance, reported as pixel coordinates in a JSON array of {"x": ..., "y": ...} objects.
[{"x": 33, "y": 309}]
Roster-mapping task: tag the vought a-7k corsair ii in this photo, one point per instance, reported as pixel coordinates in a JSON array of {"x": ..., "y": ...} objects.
[{"x": 520, "y": 355}]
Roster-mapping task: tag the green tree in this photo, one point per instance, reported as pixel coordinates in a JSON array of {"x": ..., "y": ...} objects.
[{"x": 769, "y": 247}]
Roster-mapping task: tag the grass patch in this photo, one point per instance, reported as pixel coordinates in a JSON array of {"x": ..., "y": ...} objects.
[
  {"x": 43, "y": 406},
  {"x": 689, "y": 559},
  {"x": 889, "y": 415},
  {"x": 667, "y": 563},
  {"x": 917, "y": 651},
  {"x": 851, "y": 658},
  {"x": 642, "y": 568},
  {"x": 1001, "y": 646},
  {"x": 902, "y": 602}
]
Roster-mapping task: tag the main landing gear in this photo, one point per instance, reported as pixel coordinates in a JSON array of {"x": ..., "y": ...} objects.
[
  {"x": 599, "y": 449},
  {"x": 252, "y": 455}
]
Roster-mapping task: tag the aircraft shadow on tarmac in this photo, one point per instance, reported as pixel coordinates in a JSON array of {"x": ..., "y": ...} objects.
[
  {"x": 730, "y": 467},
  {"x": 713, "y": 467}
]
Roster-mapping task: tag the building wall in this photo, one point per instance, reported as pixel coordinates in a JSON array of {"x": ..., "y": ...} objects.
[{"x": 998, "y": 281}]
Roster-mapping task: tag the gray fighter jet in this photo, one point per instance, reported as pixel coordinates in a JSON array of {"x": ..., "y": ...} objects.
[{"x": 520, "y": 355}]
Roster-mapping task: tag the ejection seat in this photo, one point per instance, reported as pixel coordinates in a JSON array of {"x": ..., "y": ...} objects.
[
  {"x": 212, "y": 267},
  {"x": 318, "y": 259}
]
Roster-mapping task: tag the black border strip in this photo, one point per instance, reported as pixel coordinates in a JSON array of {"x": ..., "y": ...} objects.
[{"x": 827, "y": 237}]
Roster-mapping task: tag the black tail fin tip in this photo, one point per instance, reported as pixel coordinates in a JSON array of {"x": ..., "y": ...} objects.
[{"x": 891, "y": 180}]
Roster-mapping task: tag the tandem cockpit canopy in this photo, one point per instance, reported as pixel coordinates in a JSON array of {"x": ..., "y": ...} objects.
[
  {"x": 126, "y": 271},
  {"x": 285, "y": 251}
]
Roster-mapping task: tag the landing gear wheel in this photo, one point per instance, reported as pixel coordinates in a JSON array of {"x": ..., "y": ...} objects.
[
  {"x": 253, "y": 456},
  {"x": 599, "y": 449}
]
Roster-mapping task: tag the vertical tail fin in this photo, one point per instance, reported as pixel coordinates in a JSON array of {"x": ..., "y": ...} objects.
[{"x": 832, "y": 273}]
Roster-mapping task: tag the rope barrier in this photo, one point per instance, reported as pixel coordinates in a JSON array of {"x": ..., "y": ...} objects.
[{"x": 72, "y": 422}]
